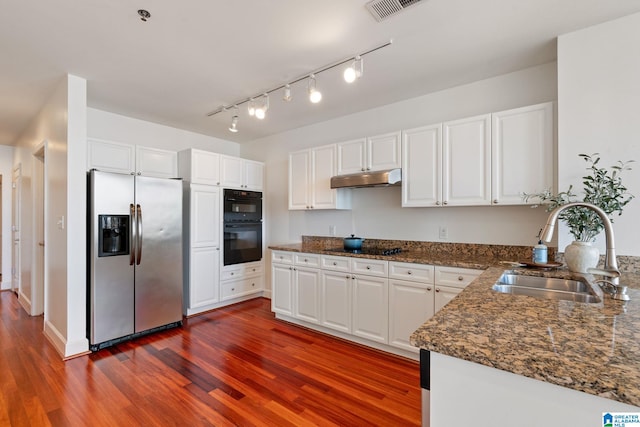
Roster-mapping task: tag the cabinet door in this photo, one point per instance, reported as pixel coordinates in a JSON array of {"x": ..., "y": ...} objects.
[
  {"x": 443, "y": 295},
  {"x": 204, "y": 265},
  {"x": 282, "y": 289},
  {"x": 231, "y": 172},
  {"x": 351, "y": 156},
  {"x": 323, "y": 167},
  {"x": 155, "y": 162},
  {"x": 110, "y": 156},
  {"x": 299, "y": 173},
  {"x": 383, "y": 152},
  {"x": 205, "y": 167},
  {"x": 336, "y": 300},
  {"x": 205, "y": 216},
  {"x": 466, "y": 166},
  {"x": 253, "y": 175},
  {"x": 422, "y": 166},
  {"x": 371, "y": 308},
  {"x": 307, "y": 294},
  {"x": 410, "y": 305},
  {"x": 522, "y": 153}
]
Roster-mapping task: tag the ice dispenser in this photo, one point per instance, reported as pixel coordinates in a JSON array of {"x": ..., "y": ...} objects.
[{"x": 113, "y": 235}]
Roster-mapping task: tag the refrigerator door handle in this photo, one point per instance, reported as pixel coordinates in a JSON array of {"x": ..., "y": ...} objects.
[
  {"x": 132, "y": 235},
  {"x": 139, "y": 223}
]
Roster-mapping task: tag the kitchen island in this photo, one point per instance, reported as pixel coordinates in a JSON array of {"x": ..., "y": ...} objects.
[{"x": 545, "y": 362}]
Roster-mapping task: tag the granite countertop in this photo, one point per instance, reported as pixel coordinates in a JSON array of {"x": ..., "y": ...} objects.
[
  {"x": 456, "y": 259},
  {"x": 593, "y": 348}
]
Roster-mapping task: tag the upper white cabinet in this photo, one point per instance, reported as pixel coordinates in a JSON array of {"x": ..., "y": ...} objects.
[
  {"x": 199, "y": 167},
  {"x": 482, "y": 160},
  {"x": 466, "y": 161},
  {"x": 117, "y": 157},
  {"x": 422, "y": 166},
  {"x": 241, "y": 173},
  {"x": 522, "y": 152},
  {"x": 310, "y": 173},
  {"x": 369, "y": 154}
]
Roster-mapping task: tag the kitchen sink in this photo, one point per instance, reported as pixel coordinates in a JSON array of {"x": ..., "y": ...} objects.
[{"x": 546, "y": 288}]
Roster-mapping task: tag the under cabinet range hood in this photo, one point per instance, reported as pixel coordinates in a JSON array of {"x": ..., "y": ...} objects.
[{"x": 383, "y": 178}]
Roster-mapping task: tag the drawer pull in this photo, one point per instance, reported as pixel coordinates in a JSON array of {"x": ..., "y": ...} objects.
[
  {"x": 253, "y": 284},
  {"x": 460, "y": 278},
  {"x": 233, "y": 289},
  {"x": 305, "y": 260},
  {"x": 429, "y": 288},
  {"x": 368, "y": 268},
  {"x": 437, "y": 289},
  {"x": 409, "y": 272},
  {"x": 232, "y": 273},
  {"x": 335, "y": 263}
]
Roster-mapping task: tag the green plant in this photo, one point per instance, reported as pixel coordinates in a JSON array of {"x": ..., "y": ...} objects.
[{"x": 602, "y": 188}]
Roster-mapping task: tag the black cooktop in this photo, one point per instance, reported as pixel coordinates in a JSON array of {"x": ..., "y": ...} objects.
[{"x": 369, "y": 251}]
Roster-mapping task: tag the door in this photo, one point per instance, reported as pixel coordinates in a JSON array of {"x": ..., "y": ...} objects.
[
  {"x": 282, "y": 285},
  {"x": 352, "y": 156},
  {"x": 16, "y": 199},
  {"x": 323, "y": 167},
  {"x": 336, "y": 300},
  {"x": 38, "y": 282},
  {"x": 299, "y": 185},
  {"x": 158, "y": 272},
  {"x": 111, "y": 293},
  {"x": 371, "y": 308},
  {"x": 422, "y": 166},
  {"x": 383, "y": 152},
  {"x": 410, "y": 305},
  {"x": 307, "y": 294}
]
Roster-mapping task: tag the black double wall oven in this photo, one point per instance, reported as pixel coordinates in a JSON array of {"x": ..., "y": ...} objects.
[{"x": 242, "y": 217}]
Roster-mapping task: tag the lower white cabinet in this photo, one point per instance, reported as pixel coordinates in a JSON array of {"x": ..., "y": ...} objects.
[
  {"x": 307, "y": 294},
  {"x": 203, "y": 276},
  {"x": 239, "y": 280},
  {"x": 371, "y": 307},
  {"x": 336, "y": 300},
  {"x": 378, "y": 301}
]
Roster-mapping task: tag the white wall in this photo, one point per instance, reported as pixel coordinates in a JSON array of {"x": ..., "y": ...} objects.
[
  {"x": 118, "y": 128},
  {"x": 599, "y": 110},
  {"x": 377, "y": 212},
  {"x": 6, "y": 170}
]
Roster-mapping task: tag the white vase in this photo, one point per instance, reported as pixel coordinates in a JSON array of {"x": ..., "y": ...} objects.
[{"x": 581, "y": 256}]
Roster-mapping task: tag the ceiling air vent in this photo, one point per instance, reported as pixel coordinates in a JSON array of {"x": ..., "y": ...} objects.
[{"x": 382, "y": 9}]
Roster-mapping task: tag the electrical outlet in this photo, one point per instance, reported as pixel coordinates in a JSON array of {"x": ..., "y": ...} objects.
[
  {"x": 443, "y": 232},
  {"x": 332, "y": 230}
]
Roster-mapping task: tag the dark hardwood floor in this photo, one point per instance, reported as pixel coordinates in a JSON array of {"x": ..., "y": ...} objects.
[{"x": 233, "y": 366}]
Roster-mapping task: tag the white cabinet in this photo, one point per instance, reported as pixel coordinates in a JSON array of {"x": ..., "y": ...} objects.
[
  {"x": 240, "y": 280},
  {"x": 307, "y": 294},
  {"x": 466, "y": 161},
  {"x": 450, "y": 281},
  {"x": 241, "y": 173},
  {"x": 371, "y": 307},
  {"x": 201, "y": 246},
  {"x": 110, "y": 156},
  {"x": 482, "y": 160},
  {"x": 422, "y": 166},
  {"x": 411, "y": 301},
  {"x": 199, "y": 167},
  {"x": 310, "y": 173},
  {"x": 296, "y": 285},
  {"x": 369, "y": 154},
  {"x": 522, "y": 152},
  {"x": 336, "y": 298},
  {"x": 282, "y": 277}
]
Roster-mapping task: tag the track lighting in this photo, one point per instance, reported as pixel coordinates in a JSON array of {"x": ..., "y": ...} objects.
[
  {"x": 286, "y": 96},
  {"x": 234, "y": 120},
  {"x": 314, "y": 94},
  {"x": 354, "y": 71},
  {"x": 261, "y": 109},
  {"x": 257, "y": 105}
]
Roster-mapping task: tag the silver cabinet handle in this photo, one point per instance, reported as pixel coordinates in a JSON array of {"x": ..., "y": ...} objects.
[
  {"x": 437, "y": 289},
  {"x": 445, "y": 203},
  {"x": 409, "y": 272},
  {"x": 335, "y": 263},
  {"x": 460, "y": 278},
  {"x": 429, "y": 288},
  {"x": 438, "y": 203},
  {"x": 495, "y": 201},
  {"x": 368, "y": 268},
  {"x": 133, "y": 235},
  {"x": 139, "y": 209}
]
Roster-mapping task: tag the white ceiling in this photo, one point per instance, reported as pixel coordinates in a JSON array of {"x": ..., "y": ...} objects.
[{"x": 193, "y": 56}]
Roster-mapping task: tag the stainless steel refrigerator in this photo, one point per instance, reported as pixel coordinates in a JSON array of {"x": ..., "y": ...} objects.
[{"x": 135, "y": 256}]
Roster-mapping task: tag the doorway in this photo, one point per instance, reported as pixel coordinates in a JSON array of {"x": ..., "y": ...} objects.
[
  {"x": 38, "y": 277},
  {"x": 16, "y": 196}
]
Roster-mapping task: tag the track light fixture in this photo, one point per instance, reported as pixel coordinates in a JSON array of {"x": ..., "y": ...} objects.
[
  {"x": 257, "y": 105},
  {"x": 354, "y": 71},
  {"x": 315, "y": 95},
  {"x": 234, "y": 120},
  {"x": 262, "y": 107},
  {"x": 286, "y": 95}
]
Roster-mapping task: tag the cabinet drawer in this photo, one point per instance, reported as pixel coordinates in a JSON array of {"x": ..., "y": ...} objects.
[
  {"x": 282, "y": 257},
  {"x": 336, "y": 263},
  {"x": 238, "y": 288},
  {"x": 409, "y": 271},
  {"x": 239, "y": 271},
  {"x": 371, "y": 267},
  {"x": 455, "y": 277},
  {"x": 308, "y": 260}
]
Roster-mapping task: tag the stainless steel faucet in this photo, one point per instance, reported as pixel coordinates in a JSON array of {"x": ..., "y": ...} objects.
[{"x": 610, "y": 261}]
